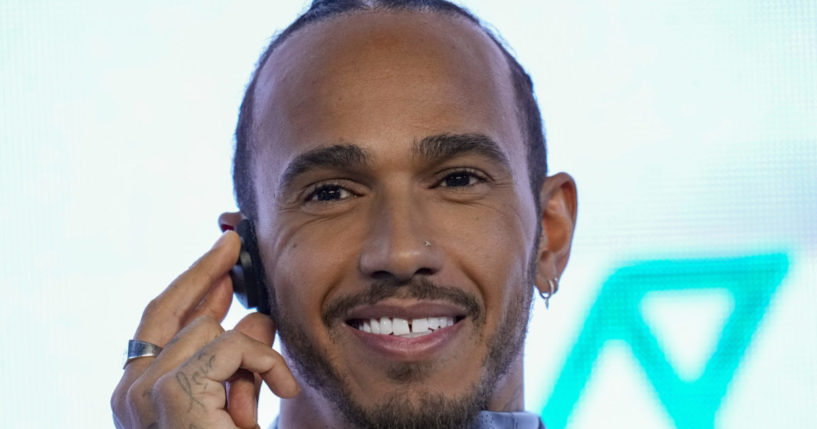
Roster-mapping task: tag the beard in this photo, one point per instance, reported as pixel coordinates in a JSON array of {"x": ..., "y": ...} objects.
[{"x": 409, "y": 406}]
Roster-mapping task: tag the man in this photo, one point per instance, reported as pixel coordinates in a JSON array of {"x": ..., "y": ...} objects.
[{"x": 391, "y": 159}]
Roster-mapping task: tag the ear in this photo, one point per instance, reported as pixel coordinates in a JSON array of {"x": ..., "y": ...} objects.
[
  {"x": 558, "y": 206},
  {"x": 227, "y": 221}
]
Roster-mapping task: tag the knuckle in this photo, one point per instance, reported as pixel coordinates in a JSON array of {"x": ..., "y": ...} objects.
[
  {"x": 233, "y": 336},
  {"x": 206, "y": 320},
  {"x": 277, "y": 360},
  {"x": 203, "y": 328},
  {"x": 164, "y": 388},
  {"x": 151, "y": 309},
  {"x": 130, "y": 398},
  {"x": 129, "y": 406},
  {"x": 135, "y": 395},
  {"x": 208, "y": 324}
]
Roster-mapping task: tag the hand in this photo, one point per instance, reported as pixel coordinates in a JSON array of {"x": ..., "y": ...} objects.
[{"x": 205, "y": 377}]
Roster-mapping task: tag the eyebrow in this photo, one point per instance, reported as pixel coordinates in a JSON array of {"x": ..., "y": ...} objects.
[
  {"x": 434, "y": 149},
  {"x": 346, "y": 156},
  {"x": 440, "y": 147}
]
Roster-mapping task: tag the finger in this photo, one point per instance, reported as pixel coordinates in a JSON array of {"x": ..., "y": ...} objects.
[
  {"x": 144, "y": 373},
  {"x": 216, "y": 302},
  {"x": 242, "y": 398},
  {"x": 215, "y": 306},
  {"x": 196, "y": 388},
  {"x": 257, "y": 326},
  {"x": 185, "y": 344},
  {"x": 233, "y": 350},
  {"x": 164, "y": 315},
  {"x": 157, "y": 328}
]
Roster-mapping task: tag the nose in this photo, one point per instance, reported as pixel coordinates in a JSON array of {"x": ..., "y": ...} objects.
[{"x": 399, "y": 242}]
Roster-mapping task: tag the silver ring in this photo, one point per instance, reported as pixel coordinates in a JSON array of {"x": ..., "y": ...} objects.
[{"x": 139, "y": 349}]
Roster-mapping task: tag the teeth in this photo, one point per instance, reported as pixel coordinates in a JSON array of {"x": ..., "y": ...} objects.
[
  {"x": 402, "y": 327},
  {"x": 419, "y": 326},
  {"x": 385, "y": 326}
]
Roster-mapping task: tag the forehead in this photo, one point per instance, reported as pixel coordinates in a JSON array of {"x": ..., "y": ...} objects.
[{"x": 377, "y": 77}]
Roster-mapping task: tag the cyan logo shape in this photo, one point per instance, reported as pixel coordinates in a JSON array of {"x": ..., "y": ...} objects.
[{"x": 616, "y": 315}]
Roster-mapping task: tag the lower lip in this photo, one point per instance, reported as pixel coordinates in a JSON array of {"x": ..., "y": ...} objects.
[{"x": 409, "y": 349}]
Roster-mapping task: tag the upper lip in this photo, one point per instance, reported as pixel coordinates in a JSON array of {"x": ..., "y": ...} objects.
[{"x": 415, "y": 310}]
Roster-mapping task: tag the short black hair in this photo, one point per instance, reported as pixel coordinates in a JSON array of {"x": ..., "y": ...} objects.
[{"x": 527, "y": 108}]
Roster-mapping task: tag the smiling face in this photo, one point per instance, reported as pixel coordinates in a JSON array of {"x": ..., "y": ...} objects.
[{"x": 395, "y": 218}]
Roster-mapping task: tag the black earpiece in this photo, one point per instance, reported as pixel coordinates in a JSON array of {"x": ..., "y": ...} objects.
[{"x": 247, "y": 273}]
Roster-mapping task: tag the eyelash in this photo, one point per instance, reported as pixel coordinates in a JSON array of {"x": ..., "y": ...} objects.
[
  {"x": 315, "y": 190},
  {"x": 470, "y": 172}
]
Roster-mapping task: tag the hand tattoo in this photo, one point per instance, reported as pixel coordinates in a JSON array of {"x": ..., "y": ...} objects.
[{"x": 184, "y": 382}]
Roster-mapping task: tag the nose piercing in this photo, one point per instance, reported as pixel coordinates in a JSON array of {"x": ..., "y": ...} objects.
[{"x": 427, "y": 243}]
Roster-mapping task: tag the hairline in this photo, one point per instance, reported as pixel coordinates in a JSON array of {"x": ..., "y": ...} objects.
[{"x": 246, "y": 127}]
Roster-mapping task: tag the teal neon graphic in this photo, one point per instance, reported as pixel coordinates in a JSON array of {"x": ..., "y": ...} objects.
[{"x": 616, "y": 315}]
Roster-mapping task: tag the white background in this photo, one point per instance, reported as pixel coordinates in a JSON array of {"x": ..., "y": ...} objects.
[{"x": 690, "y": 127}]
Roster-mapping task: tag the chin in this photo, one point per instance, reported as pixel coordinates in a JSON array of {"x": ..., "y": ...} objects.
[{"x": 416, "y": 407}]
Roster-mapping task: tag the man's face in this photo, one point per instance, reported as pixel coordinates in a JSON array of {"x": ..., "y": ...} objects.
[{"x": 392, "y": 189}]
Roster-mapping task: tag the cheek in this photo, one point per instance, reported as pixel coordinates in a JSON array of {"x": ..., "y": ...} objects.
[
  {"x": 492, "y": 245},
  {"x": 313, "y": 258}
]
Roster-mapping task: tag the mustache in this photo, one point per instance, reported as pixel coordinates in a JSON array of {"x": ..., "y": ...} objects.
[{"x": 419, "y": 287}]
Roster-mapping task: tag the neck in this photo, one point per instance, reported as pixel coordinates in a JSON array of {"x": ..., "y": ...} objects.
[{"x": 510, "y": 392}]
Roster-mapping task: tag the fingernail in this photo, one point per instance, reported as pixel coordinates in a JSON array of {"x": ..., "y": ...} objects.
[{"x": 226, "y": 227}]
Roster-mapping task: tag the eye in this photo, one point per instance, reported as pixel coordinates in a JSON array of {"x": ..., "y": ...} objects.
[
  {"x": 329, "y": 192},
  {"x": 462, "y": 178}
]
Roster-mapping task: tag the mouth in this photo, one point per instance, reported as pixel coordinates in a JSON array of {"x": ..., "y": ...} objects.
[
  {"x": 402, "y": 327},
  {"x": 401, "y": 319}
]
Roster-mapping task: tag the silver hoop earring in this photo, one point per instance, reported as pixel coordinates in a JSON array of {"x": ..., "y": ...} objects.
[{"x": 553, "y": 286}]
